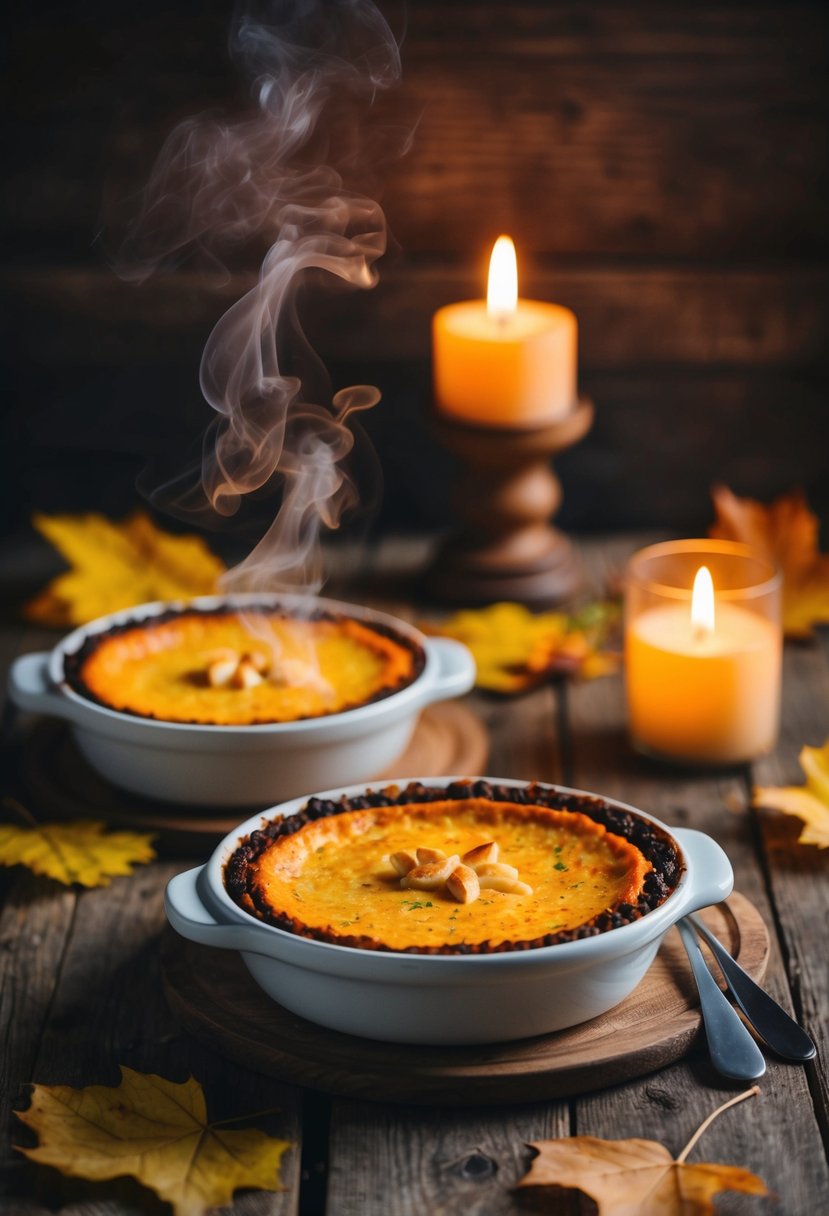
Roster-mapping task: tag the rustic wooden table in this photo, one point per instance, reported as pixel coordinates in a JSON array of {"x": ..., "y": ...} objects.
[{"x": 80, "y": 994}]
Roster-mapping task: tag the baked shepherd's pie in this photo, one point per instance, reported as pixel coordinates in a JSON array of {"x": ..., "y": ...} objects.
[
  {"x": 216, "y": 667},
  {"x": 468, "y": 868}
]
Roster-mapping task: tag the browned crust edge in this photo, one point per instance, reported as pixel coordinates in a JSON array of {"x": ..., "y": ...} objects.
[
  {"x": 656, "y": 845},
  {"x": 73, "y": 664}
]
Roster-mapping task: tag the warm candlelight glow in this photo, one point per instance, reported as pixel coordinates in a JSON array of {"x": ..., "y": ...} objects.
[
  {"x": 502, "y": 285},
  {"x": 702, "y": 686},
  {"x": 505, "y": 361},
  {"x": 702, "y": 603}
]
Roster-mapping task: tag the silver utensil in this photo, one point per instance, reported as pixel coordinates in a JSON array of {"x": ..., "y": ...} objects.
[
  {"x": 772, "y": 1023},
  {"x": 733, "y": 1051}
]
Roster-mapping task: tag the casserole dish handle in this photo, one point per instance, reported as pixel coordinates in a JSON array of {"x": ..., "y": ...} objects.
[
  {"x": 455, "y": 673},
  {"x": 189, "y": 917},
  {"x": 713, "y": 877},
  {"x": 31, "y": 687}
]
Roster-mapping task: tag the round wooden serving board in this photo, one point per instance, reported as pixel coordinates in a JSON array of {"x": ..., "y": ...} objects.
[
  {"x": 214, "y": 997},
  {"x": 449, "y": 739}
]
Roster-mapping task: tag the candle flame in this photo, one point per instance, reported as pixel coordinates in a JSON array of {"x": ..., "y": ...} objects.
[
  {"x": 702, "y": 603},
  {"x": 502, "y": 286}
]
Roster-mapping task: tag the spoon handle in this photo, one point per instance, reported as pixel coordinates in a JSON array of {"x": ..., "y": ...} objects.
[
  {"x": 772, "y": 1023},
  {"x": 733, "y": 1051}
]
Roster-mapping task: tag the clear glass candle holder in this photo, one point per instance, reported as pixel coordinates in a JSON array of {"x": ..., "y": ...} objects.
[{"x": 702, "y": 691}]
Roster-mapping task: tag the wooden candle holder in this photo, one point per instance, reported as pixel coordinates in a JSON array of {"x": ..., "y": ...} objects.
[{"x": 505, "y": 496}]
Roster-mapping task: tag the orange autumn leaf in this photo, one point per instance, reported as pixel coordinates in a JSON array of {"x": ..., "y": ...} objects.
[
  {"x": 809, "y": 802},
  {"x": 155, "y": 1131},
  {"x": 117, "y": 565},
  {"x": 786, "y": 533},
  {"x": 640, "y": 1177}
]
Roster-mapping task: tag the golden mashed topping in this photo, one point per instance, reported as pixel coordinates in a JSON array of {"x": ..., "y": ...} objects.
[
  {"x": 210, "y": 668},
  {"x": 334, "y": 878}
]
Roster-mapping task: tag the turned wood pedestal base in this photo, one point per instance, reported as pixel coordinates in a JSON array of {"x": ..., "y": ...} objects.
[{"x": 505, "y": 496}]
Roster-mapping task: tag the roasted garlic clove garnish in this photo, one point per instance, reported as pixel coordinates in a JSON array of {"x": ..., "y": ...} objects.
[
  {"x": 402, "y": 862},
  {"x": 462, "y": 884},
  {"x": 481, "y": 854},
  {"x": 227, "y": 669},
  {"x": 424, "y": 856},
  {"x": 430, "y": 876},
  {"x": 496, "y": 869},
  {"x": 246, "y": 674},
  {"x": 221, "y": 671},
  {"x": 463, "y": 879}
]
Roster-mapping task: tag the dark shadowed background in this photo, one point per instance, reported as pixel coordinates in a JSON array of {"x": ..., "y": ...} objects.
[{"x": 661, "y": 166}]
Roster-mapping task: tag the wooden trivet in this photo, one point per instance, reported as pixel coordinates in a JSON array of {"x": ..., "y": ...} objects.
[
  {"x": 448, "y": 739},
  {"x": 214, "y": 997}
]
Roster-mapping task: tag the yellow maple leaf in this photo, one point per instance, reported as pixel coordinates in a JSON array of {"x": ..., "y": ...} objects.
[
  {"x": 810, "y": 802},
  {"x": 515, "y": 649},
  {"x": 117, "y": 565},
  {"x": 786, "y": 533},
  {"x": 640, "y": 1177},
  {"x": 82, "y": 851},
  {"x": 155, "y": 1131}
]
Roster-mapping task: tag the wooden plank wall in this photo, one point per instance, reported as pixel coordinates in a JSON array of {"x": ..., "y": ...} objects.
[{"x": 662, "y": 167}]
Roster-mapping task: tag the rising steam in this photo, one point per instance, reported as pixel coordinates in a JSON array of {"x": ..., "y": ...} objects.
[{"x": 277, "y": 178}]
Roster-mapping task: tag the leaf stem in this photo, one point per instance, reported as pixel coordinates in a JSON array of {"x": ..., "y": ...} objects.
[
  {"x": 17, "y": 808},
  {"x": 749, "y": 1093},
  {"x": 257, "y": 1114}
]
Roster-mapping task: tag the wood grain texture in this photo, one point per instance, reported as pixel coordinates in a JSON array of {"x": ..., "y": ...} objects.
[
  {"x": 629, "y": 316},
  {"x": 86, "y": 992},
  {"x": 797, "y": 874},
  {"x": 661, "y": 167},
  {"x": 669, "y": 1106},
  {"x": 646, "y": 130},
  {"x": 80, "y": 995}
]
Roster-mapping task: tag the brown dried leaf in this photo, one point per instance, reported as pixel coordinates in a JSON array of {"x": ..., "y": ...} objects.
[
  {"x": 809, "y": 802},
  {"x": 640, "y": 1177},
  {"x": 118, "y": 565},
  {"x": 786, "y": 533},
  {"x": 155, "y": 1131}
]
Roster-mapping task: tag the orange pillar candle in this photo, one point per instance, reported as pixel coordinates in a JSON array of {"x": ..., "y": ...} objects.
[
  {"x": 702, "y": 659},
  {"x": 503, "y": 361}
]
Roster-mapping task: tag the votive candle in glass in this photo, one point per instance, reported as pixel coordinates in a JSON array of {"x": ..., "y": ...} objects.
[{"x": 703, "y": 652}]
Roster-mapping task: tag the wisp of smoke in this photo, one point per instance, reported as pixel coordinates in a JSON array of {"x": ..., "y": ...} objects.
[{"x": 276, "y": 176}]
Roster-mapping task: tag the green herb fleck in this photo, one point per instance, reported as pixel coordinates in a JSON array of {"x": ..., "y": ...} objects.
[
  {"x": 560, "y": 866},
  {"x": 411, "y": 904}
]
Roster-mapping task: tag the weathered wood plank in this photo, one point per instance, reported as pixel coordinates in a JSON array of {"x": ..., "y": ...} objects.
[
  {"x": 80, "y": 995},
  {"x": 629, "y": 317},
  {"x": 643, "y": 130},
  {"x": 404, "y": 1162},
  {"x": 797, "y": 874},
  {"x": 108, "y": 1009},
  {"x": 776, "y": 1130}
]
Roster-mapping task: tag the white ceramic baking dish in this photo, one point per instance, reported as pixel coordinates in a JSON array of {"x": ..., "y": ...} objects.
[
  {"x": 441, "y": 999},
  {"x": 242, "y": 766}
]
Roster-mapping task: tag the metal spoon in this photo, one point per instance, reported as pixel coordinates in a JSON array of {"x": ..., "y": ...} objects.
[
  {"x": 733, "y": 1051},
  {"x": 772, "y": 1023}
]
